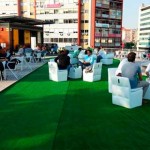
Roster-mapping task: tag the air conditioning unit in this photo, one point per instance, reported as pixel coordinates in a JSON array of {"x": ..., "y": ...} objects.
[
  {"x": 86, "y": 43},
  {"x": 61, "y": 34},
  {"x": 82, "y": 4},
  {"x": 86, "y": 34},
  {"x": 82, "y": 33},
  {"x": 68, "y": 34}
]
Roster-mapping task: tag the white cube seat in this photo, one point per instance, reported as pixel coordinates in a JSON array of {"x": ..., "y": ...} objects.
[
  {"x": 55, "y": 74},
  {"x": 94, "y": 75},
  {"x": 75, "y": 72},
  {"x": 111, "y": 73},
  {"x": 123, "y": 95}
]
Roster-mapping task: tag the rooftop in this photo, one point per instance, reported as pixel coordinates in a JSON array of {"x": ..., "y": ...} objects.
[
  {"x": 23, "y": 20},
  {"x": 39, "y": 114}
]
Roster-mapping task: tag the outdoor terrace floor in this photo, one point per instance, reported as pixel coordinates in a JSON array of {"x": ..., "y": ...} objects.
[{"x": 39, "y": 114}]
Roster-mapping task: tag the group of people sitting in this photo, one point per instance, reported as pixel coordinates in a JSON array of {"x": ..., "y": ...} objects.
[
  {"x": 6, "y": 56},
  {"x": 88, "y": 59},
  {"x": 132, "y": 70},
  {"x": 63, "y": 59},
  {"x": 27, "y": 49}
]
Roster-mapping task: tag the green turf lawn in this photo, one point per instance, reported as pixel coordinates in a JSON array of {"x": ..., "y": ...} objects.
[{"x": 38, "y": 114}]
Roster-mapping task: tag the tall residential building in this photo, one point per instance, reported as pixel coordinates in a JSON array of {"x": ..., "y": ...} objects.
[
  {"x": 144, "y": 28},
  {"x": 129, "y": 35},
  {"x": 126, "y": 35},
  {"x": 92, "y": 23}
]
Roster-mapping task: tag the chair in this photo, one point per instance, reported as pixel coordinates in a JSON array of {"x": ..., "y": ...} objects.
[
  {"x": 111, "y": 73},
  {"x": 75, "y": 72},
  {"x": 123, "y": 95},
  {"x": 94, "y": 75},
  {"x": 37, "y": 57},
  {"x": 73, "y": 60},
  {"x": 55, "y": 74},
  {"x": 143, "y": 56},
  {"x": 108, "y": 59},
  {"x": 81, "y": 55},
  {"x": 7, "y": 66},
  {"x": 21, "y": 63},
  {"x": 29, "y": 57},
  {"x": 147, "y": 94}
]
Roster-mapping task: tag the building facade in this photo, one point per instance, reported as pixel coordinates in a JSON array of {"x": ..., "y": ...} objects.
[
  {"x": 129, "y": 35},
  {"x": 144, "y": 28},
  {"x": 87, "y": 23}
]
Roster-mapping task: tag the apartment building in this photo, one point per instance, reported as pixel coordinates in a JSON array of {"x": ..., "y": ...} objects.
[
  {"x": 106, "y": 23},
  {"x": 91, "y": 23},
  {"x": 129, "y": 35},
  {"x": 64, "y": 14},
  {"x": 144, "y": 28}
]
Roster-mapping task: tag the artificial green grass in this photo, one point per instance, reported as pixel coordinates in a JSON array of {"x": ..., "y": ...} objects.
[{"x": 38, "y": 114}]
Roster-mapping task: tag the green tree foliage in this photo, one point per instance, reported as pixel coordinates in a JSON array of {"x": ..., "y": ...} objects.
[{"x": 129, "y": 45}]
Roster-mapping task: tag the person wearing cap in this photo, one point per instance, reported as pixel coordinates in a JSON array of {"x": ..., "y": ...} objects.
[{"x": 132, "y": 70}]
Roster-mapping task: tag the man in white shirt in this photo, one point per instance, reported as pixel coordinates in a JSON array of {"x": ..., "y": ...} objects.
[{"x": 118, "y": 71}]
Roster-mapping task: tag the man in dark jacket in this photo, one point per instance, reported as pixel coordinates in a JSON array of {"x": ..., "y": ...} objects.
[{"x": 63, "y": 60}]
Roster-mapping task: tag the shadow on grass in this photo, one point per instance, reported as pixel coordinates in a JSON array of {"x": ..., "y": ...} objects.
[{"x": 29, "y": 123}]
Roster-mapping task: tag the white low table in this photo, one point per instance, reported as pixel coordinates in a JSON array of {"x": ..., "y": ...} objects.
[{"x": 75, "y": 72}]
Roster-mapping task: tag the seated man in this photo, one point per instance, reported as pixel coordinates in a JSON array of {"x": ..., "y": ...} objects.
[
  {"x": 63, "y": 60},
  {"x": 100, "y": 54},
  {"x": 88, "y": 60},
  {"x": 132, "y": 70},
  {"x": 123, "y": 61}
]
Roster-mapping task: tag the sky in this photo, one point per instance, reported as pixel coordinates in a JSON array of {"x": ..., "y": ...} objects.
[{"x": 130, "y": 12}]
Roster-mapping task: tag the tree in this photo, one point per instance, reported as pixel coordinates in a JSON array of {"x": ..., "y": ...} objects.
[{"x": 129, "y": 45}]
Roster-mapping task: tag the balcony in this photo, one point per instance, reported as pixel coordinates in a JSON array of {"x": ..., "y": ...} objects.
[
  {"x": 97, "y": 44},
  {"x": 114, "y": 35},
  {"x": 98, "y": 5},
  {"x": 102, "y": 5},
  {"x": 105, "y": 16},
  {"x": 102, "y": 25},
  {"x": 117, "y": 44},
  {"x": 98, "y": 34},
  {"x": 98, "y": 15},
  {"x": 118, "y": 26},
  {"x": 113, "y": 16}
]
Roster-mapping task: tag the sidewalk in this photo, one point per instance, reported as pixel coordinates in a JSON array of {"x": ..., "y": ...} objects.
[{"x": 10, "y": 79}]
